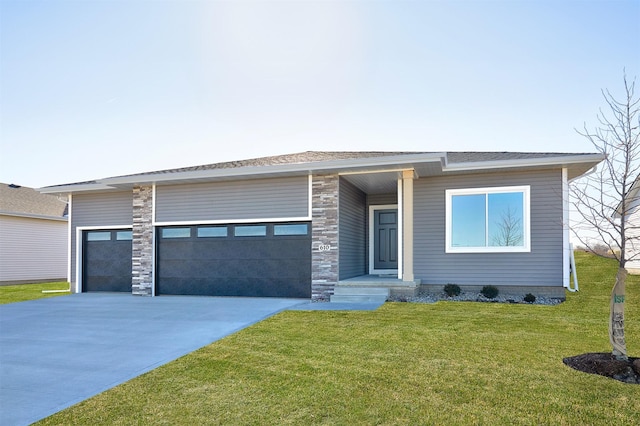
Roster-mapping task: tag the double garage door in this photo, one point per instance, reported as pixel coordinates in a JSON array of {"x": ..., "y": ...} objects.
[{"x": 254, "y": 260}]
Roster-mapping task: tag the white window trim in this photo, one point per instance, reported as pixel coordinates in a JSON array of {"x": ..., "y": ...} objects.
[{"x": 526, "y": 209}]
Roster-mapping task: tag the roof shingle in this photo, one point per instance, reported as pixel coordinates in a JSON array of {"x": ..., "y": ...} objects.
[{"x": 21, "y": 200}]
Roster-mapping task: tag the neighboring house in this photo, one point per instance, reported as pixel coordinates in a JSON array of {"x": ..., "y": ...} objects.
[
  {"x": 302, "y": 225},
  {"x": 34, "y": 235},
  {"x": 632, "y": 228}
]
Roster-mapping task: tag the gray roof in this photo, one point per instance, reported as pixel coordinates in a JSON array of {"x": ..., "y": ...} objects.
[
  {"x": 317, "y": 156},
  {"x": 22, "y": 201},
  {"x": 474, "y": 156},
  {"x": 297, "y": 158},
  {"x": 312, "y": 158}
]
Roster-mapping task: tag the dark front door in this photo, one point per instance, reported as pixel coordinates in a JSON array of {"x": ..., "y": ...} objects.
[{"x": 385, "y": 238}]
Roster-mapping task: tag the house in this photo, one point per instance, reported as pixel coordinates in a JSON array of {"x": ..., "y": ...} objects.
[
  {"x": 305, "y": 225},
  {"x": 632, "y": 206},
  {"x": 34, "y": 236}
]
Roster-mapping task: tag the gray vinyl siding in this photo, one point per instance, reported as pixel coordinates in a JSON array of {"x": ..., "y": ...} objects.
[
  {"x": 102, "y": 209},
  {"x": 32, "y": 250},
  {"x": 541, "y": 267},
  {"x": 352, "y": 231},
  {"x": 378, "y": 199},
  {"x": 235, "y": 200}
]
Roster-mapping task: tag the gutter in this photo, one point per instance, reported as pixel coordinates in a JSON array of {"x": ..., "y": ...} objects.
[
  {"x": 524, "y": 162},
  {"x": 66, "y": 188},
  {"x": 33, "y": 216}
]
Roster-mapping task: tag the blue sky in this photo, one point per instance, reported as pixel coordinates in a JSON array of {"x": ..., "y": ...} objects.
[{"x": 91, "y": 89}]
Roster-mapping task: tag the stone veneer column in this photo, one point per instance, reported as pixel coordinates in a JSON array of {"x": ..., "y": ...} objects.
[
  {"x": 324, "y": 224},
  {"x": 142, "y": 261}
]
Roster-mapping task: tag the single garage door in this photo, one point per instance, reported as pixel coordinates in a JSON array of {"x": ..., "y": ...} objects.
[
  {"x": 256, "y": 260},
  {"x": 106, "y": 258}
]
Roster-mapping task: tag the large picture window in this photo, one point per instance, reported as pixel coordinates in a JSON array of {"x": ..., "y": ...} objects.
[{"x": 488, "y": 220}]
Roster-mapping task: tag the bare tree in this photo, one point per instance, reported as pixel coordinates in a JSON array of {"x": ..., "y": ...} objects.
[
  {"x": 509, "y": 232},
  {"x": 605, "y": 199}
]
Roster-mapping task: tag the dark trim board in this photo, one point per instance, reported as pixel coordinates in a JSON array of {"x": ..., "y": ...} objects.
[{"x": 257, "y": 260}]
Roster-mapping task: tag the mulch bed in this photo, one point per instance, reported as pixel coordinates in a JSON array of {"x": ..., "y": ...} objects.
[{"x": 605, "y": 364}]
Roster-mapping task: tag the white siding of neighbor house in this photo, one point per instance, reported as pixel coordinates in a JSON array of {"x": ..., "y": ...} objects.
[
  {"x": 541, "y": 267},
  {"x": 32, "y": 249},
  {"x": 633, "y": 235},
  {"x": 235, "y": 200},
  {"x": 96, "y": 210}
]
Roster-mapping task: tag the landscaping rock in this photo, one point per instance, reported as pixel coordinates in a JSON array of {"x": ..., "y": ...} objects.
[{"x": 474, "y": 297}]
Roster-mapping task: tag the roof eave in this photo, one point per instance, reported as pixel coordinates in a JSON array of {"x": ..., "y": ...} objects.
[
  {"x": 279, "y": 169},
  {"x": 33, "y": 216},
  {"x": 329, "y": 166},
  {"x": 65, "y": 189},
  {"x": 632, "y": 195},
  {"x": 588, "y": 160}
]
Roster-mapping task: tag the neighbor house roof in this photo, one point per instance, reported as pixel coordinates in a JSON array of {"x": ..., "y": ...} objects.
[
  {"x": 425, "y": 164},
  {"x": 18, "y": 200},
  {"x": 630, "y": 198}
]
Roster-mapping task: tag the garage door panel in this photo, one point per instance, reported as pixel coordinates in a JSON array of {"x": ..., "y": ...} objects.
[
  {"x": 174, "y": 268},
  {"x": 206, "y": 250},
  {"x": 293, "y": 249},
  {"x": 253, "y": 266},
  {"x": 107, "y": 283}
]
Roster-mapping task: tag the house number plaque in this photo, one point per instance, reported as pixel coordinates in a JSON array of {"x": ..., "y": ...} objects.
[{"x": 324, "y": 247}]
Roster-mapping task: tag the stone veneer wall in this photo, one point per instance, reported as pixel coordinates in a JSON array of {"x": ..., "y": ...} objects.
[
  {"x": 324, "y": 224},
  {"x": 142, "y": 265}
]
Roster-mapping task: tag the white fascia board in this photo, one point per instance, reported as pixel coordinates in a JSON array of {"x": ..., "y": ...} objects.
[
  {"x": 71, "y": 188},
  {"x": 33, "y": 216},
  {"x": 524, "y": 162},
  {"x": 279, "y": 169}
]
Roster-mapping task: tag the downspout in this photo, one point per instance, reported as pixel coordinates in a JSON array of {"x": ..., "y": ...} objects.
[
  {"x": 570, "y": 269},
  {"x": 568, "y": 263},
  {"x": 58, "y": 291}
]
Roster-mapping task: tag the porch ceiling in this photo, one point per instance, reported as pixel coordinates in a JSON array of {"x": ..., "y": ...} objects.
[
  {"x": 375, "y": 183},
  {"x": 386, "y": 181}
]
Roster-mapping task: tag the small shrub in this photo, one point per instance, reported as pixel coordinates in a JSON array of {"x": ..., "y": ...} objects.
[
  {"x": 490, "y": 291},
  {"x": 452, "y": 290},
  {"x": 529, "y": 298}
]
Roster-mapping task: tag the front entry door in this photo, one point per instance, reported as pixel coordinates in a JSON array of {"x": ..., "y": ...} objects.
[{"x": 385, "y": 239}]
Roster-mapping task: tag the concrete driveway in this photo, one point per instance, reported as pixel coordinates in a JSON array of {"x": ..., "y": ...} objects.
[{"x": 57, "y": 352}]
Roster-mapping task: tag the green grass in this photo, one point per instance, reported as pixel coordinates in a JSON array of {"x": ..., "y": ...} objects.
[
  {"x": 23, "y": 292},
  {"x": 444, "y": 363}
]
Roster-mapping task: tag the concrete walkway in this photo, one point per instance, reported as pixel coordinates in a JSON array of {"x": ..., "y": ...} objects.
[{"x": 57, "y": 352}]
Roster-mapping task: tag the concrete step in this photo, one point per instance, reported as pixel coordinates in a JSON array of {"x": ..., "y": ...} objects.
[
  {"x": 373, "y": 291},
  {"x": 359, "y": 294}
]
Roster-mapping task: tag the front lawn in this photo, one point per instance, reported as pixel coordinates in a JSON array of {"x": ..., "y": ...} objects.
[
  {"x": 406, "y": 363},
  {"x": 23, "y": 292}
]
